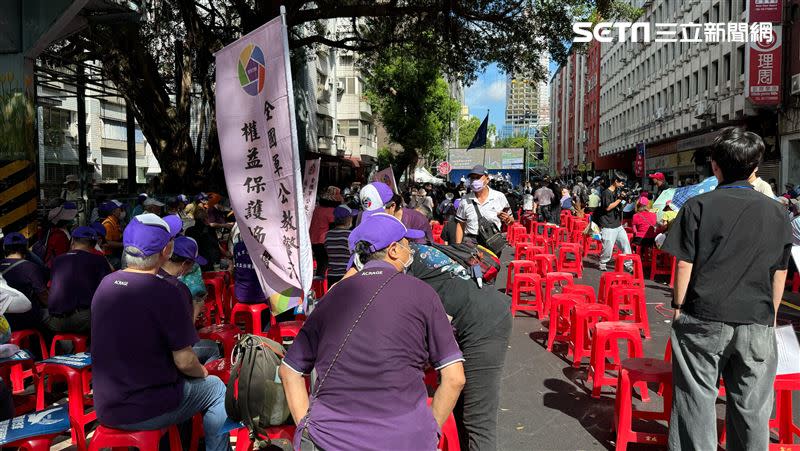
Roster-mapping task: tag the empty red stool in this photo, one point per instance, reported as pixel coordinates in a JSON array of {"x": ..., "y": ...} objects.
[
  {"x": 531, "y": 251},
  {"x": 636, "y": 262},
  {"x": 527, "y": 284},
  {"x": 545, "y": 263},
  {"x": 540, "y": 240},
  {"x": 631, "y": 298},
  {"x": 524, "y": 238},
  {"x": 516, "y": 267},
  {"x": 561, "y": 306},
  {"x": 537, "y": 228},
  {"x": 591, "y": 246},
  {"x": 519, "y": 249},
  {"x": 250, "y": 315},
  {"x": 550, "y": 231},
  {"x": 515, "y": 231},
  {"x": 19, "y": 363},
  {"x": 575, "y": 265},
  {"x": 106, "y": 437},
  {"x": 76, "y": 370},
  {"x": 286, "y": 330},
  {"x": 584, "y": 317},
  {"x": 609, "y": 280},
  {"x": 638, "y": 372},
  {"x": 225, "y": 334},
  {"x": 22, "y": 338},
  {"x": 604, "y": 345},
  {"x": 661, "y": 263},
  {"x": 80, "y": 343},
  {"x": 553, "y": 280},
  {"x": 586, "y": 291},
  {"x": 784, "y": 385},
  {"x": 217, "y": 288}
]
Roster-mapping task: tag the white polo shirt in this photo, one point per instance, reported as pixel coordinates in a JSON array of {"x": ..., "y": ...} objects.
[{"x": 494, "y": 204}]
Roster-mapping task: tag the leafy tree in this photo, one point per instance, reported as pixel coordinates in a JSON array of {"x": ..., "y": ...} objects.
[{"x": 164, "y": 63}]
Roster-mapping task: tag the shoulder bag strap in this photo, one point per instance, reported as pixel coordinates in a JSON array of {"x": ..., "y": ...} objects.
[
  {"x": 477, "y": 210},
  {"x": 13, "y": 265}
]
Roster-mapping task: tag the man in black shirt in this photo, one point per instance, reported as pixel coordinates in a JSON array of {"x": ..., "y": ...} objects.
[
  {"x": 733, "y": 246},
  {"x": 609, "y": 218}
]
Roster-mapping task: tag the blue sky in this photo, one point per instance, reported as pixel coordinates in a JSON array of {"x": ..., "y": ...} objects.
[{"x": 489, "y": 92}]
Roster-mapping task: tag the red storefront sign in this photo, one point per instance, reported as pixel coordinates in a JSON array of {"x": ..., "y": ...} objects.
[
  {"x": 763, "y": 76},
  {"x": 764, "y": 11},
  {"x": 638, "y": 166}
]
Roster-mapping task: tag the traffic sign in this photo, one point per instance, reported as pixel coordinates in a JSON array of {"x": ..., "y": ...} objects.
[{"x": 444, "y": 168}]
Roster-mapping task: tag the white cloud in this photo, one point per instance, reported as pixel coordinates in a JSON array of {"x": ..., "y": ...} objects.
[{"x": 481, "y": 95}]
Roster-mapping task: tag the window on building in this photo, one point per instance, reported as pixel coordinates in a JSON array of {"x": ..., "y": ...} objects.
[
  {"x": 114, "y": 130},
  {"x": 112, "y": 172},
  {"x": 55, "y": 124},
  {"x": 695, "y": 84},
  {"x": 726, "y": 67},
  {"x": 678, "y": 92},
  {"x": 714, "y": 82},
  {"x": 704, "y": 79},
  {"x": 715, "y": 13},
  {"x": 351, "y": 85},
  {"x": 346, "y": 60},
  {"x": 740, "y": 59},
  {"x": 729, "y": 9},
  {"x": 351, "y": 127}
]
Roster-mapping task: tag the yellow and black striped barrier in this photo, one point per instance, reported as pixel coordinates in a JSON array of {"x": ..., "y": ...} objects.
[{"x": 18, "y": 199}]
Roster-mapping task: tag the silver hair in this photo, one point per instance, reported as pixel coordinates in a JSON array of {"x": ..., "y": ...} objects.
[{"x": 132, "y": 260}]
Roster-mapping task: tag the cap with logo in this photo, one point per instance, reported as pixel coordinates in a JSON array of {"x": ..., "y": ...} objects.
[
  {"x": 182, "y": 198},
  {"x": 187, "y": 248},
  {"x": 375, "y": 195},
  {"x": 380, "y": 230},
  {"x": 148, "y": 234},
  {"x": 14, "y": 238}
]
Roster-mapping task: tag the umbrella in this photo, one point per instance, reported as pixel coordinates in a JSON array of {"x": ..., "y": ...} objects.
[
  {"x": 687, "y": 192},
  {"x": 661, "y": 202}
]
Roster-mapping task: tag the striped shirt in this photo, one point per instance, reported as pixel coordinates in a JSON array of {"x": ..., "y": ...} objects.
[{"x": 338, "y": 252}]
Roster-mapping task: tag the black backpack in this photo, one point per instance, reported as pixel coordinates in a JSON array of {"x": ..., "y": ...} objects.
[{"x": 254, "y": 394}]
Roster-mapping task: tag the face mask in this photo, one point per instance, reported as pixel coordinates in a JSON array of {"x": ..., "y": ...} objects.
[
  {"x": 476, "y": 185},
  {"x": 410, "y": 261}
]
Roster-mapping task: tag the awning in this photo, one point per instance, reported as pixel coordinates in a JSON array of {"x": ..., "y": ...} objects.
[{"x": 355, "y": 161}]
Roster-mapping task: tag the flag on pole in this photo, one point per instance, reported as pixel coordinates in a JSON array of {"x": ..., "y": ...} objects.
[{"x": 479, "y": 140}]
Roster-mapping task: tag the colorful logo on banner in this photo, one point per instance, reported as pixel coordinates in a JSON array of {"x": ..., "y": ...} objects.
[
  {"x": 638, "y": 166},
  {"x": 252, "y": 70},
  {"x": 763, "y": 80},
  {"x": 444, "y": 168}
]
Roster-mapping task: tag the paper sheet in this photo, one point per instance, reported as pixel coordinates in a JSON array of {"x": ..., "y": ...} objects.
[{"x": 788, "y": 350}]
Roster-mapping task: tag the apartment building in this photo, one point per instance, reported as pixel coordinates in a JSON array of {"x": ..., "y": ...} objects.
[{"x": 567, "y": 116}]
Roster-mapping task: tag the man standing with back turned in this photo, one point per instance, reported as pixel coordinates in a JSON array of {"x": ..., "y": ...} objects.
[{"x": 732, "y": 246}]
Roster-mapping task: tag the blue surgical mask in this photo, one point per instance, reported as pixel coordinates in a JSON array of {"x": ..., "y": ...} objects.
[{"x": 477, "y": 185}]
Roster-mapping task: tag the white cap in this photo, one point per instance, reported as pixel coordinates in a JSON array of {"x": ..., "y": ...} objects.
[{"x": 152, "y": 202}]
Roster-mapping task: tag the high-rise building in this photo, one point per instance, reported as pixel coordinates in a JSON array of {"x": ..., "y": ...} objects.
[{"x": 527, "y": 104}]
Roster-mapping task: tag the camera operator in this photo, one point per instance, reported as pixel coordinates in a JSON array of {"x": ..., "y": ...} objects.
[{"x": 609, "y": 219}]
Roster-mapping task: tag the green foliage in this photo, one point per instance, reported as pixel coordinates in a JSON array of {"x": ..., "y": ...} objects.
[
  {"x": 16, "y": 121},
  {"x": 468, "y": 126},
  {"x": 413, "y": 103},
  {"x": 386, "y": 158}
]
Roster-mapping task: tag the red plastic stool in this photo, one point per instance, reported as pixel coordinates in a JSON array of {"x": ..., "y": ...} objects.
[
  {"x": 591, "y": 246},
  {"x": 784, "y": 385},
  {"x": 541, "y": 240},
  {"x": 530, "y": 251},
  {"x": 584, "y": 317},
  {"x": 516, "y": 267},
  {"x": 106, "y": 437},
  {"x": 22, "y": 338},
  {"x": 586, "y": 291},
  {"x": 661, "y": 263},
  {"x": 516, "y": 231},
  {"x": 619, "y": 265},
  {"x": 220, "y": 368},
  {"x": 633, "y": 299},
  {"x": 561, "y": 236},
  {"x": 527, "y": 284},
  {"x": 79, "y": 343},
  {"x": 552, "y": 280},
  {"x": 24, "y": 402},
  {"x": 286, "y": 330},
  {"x": 560, "y": 327},
  {"x": 550, "y": 231},
  {"x": 639, "y": 372},
  {"x": 217, "y": 294},
  {"x": 449, "y": 440},
  {"x": 545, "y": 263},
  {"x": 320, "y": 286},
  {"x": 250, "y": 315},
  {"x": 225, "y": 334},
  {"x": 578, "y": 225},
  {"x": 604, "y": 345},
  {"x": 77, "y": 381},
  {"x": 519, "y": 249},
  {"x": 537, "y": 228},
  {"x": 609, "y": 280},
  {"x": 576, "y": 265}
]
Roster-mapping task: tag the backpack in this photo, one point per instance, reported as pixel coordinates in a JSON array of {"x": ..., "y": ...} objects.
[
  {"x": 254, "y": 394},
  {"x": 468, "y": 257}
]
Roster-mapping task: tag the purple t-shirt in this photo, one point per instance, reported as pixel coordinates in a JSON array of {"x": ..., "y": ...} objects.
[
  {"x": 374, "y": 398},
  {"x": 138, "y": 320},
  {"x": 245, "y": 286},
  {"x": 29, "y": 278},
  {"x": 74, "y": 279},
  {"x": 413, "y": 219}
]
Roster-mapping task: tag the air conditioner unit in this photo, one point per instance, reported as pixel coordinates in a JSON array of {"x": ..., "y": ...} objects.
[
  {"x": 795, "y": 85},
  {"x": 660, "y": 113},
  {"x": 340, "y": 87}
]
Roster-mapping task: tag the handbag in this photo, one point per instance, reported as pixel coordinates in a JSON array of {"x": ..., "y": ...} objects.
[{"x": 489, "y": 235}]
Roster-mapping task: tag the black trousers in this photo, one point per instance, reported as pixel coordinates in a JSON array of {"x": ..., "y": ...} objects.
[
  {"x": 321, "y": 256},
  {"x": 477, "y": 407}
]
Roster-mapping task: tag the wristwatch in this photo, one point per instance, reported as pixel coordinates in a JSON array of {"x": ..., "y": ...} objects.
[{"x": 676, "y": 306}]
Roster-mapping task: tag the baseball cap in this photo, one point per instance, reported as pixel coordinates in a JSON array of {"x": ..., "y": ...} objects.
[
  {"x": 86, "y": 232},
  {"x": 64, "y": 212},
  {"x": 152, "y": 202},
  {"x": 108, "y": 206},
  {"x": 99, "y": 228},
  {"x": 201, "y": 197},
  {"x": 182, "y": 198},
  {"x": 375, "y": 195},
  {"x": 380, "y": 230},
  {"x": 343, "y": 211},
  {"x": 657, "y": 176},
  {"x": 479, "y": 169},
  {"x": 187, "y": 248},
  {"x": 644, "y": 200},
  {"x": 148, "y": 233},
  {"x": 14, "y": 238}
]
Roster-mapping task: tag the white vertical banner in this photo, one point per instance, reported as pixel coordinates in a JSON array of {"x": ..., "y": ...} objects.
[
  {"x": 310, "y": 184},
  {"x": 260, "y": 156}
]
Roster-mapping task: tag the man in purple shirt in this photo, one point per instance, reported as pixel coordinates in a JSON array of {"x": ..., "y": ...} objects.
[
  {"x": 146, "y": 375},
  {"x": 25, "y": 276},
  {"x": 369, "y": 342},
  {"x": 74, "y": 279}
]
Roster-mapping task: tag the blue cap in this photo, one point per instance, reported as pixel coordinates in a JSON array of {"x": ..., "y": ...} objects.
[
  {"x": 187, "y": 248},
  {"x": 14, "y": 238},
  {"x": 182, "y": 198},
  {"x": 380, "y": 230},
  {"x": 86, "y": 232},
  {"x": 99, "y": 228},
  {"x": 149, "y": 234},
  {"x": 343, "y": 211},
  {"x": 109, "y": 206}
]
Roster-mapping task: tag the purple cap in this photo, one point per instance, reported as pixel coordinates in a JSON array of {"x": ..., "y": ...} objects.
[
  {"x": 381, "y": 230},
  {"x": 343, "y": 211},
  {"x": 86, "y": 232},
  {"x": 187, "y": 248},
  {"x": 148, "y": 233},
  {"x": 456, "y": 203},
  {"x": 175, "y": 224},
  {"x": 107, "y": 207},
  {"x": 99, "y": 228},
  {"x": 182, "y": 198},
  {"x": 14, "y": 238},
  {"x": 375, "y": 195},
  {"x": 64, "y": 212}
]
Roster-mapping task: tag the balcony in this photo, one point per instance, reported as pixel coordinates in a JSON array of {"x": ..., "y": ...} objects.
[
  {"x": 324, "y": 144},
  {"x": 365, "y": 109}
]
